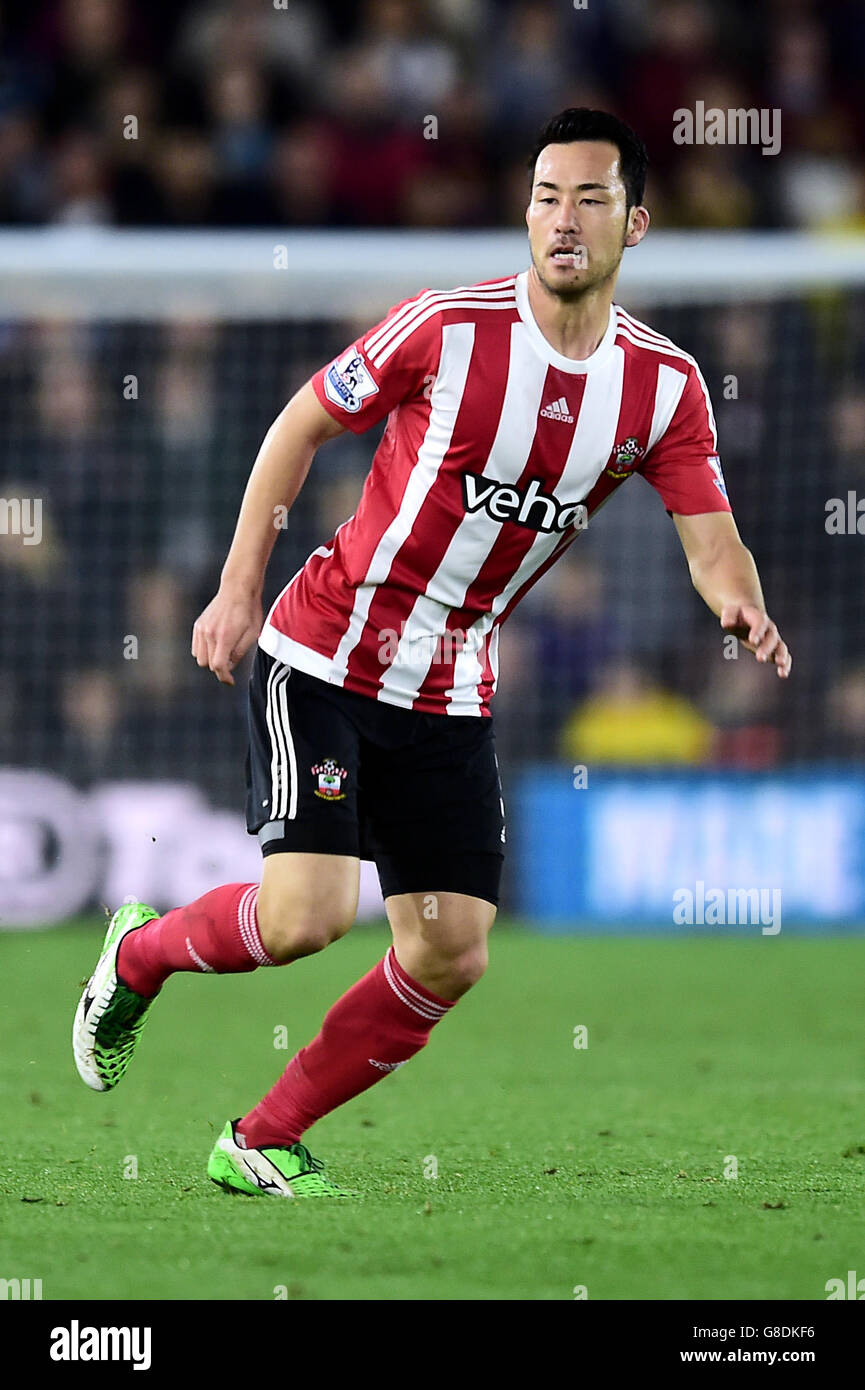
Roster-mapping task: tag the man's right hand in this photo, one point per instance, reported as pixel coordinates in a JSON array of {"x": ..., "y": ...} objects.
[{"x": 225, "y": 631}]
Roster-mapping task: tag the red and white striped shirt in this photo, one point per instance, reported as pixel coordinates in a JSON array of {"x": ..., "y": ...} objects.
[{"x": 497, "y": 449}]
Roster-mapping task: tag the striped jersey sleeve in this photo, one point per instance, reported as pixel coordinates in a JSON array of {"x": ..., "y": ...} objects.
[
  {"x": 683, "y": 466},
  {"x": 392, "y": 363}
]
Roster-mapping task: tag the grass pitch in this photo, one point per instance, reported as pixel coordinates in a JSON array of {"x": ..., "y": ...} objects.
[{"x": 557, "y": 1167}]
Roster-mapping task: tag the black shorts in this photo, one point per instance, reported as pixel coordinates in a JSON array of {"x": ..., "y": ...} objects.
[{"x": 332, "y": 772}]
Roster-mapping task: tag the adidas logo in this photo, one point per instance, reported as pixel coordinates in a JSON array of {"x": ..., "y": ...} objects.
[
  {"x": 387, "y": 1066},
  {"x": 558, "y": 410}
]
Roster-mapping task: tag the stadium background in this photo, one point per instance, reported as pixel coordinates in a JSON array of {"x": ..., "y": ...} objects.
[
  {"x": 630, "y": 1118},
  {"x": 250, "y": 117}
]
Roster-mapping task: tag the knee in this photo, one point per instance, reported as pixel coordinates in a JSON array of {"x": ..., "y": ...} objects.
[
  {"x": 457, "y": 973},
  {"x": 290, "y": 930},
  {"x": 470, "y": 966}
]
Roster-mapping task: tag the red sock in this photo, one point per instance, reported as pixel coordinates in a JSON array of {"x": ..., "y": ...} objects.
[
  {"x": 217, "y": 934},
  {"x": 377, "y": 1025}
]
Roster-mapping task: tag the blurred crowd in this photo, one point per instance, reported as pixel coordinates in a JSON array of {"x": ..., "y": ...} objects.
[
  {"x": 416, "y": 113},
  {"x": 611, "y": 659}
]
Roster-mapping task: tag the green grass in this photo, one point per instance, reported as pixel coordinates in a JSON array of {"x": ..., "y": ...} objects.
[{"x": 557, "y": 1167}]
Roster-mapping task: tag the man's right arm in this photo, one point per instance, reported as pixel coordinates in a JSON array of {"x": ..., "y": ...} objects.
[{"x": 232, "y": 621}]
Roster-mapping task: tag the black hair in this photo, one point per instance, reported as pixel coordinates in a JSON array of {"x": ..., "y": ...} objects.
[{"x": 582, "y": 123}]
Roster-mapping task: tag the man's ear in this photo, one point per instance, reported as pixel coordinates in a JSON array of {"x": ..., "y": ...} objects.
[{"x": 638, "y": 223}]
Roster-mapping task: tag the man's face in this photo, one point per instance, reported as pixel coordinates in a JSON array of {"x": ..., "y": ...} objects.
[{"x": 577, "y": 219}]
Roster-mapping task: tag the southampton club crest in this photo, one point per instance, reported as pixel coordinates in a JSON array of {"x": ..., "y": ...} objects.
[
  {"x": 330, "y": 779},
  {"x": 625, "y": 458}
]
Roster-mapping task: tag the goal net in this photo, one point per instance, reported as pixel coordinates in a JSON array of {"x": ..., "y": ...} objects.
[{"x": 138, "y": 375}]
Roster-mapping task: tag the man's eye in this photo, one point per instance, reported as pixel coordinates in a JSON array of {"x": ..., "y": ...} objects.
[{"x": 546, "y": 200}]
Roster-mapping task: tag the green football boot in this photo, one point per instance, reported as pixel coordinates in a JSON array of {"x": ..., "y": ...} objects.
[
  {"x": 110, "y": 1017},
  {"x": 276, "y": 1172}
]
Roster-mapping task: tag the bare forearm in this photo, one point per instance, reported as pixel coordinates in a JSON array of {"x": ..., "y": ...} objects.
[
  {"x": 231, "y": 622},
  {"x": 727, "y": 576},
  {"x": 277, "y": 476}
]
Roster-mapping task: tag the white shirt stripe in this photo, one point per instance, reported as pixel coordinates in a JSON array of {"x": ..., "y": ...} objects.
[
  {"x": 445, "y": 399},
  {"x": 397, "y": 322},
  {"x": 477, "y": 533},
  {"x": 384, "y": 353},
  {"x": 668, "y": 392},
  {"x": 592, "y": 444}
]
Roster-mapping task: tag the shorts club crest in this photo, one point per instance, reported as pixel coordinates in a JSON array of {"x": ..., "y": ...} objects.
[{"x": 330, "y": 779}]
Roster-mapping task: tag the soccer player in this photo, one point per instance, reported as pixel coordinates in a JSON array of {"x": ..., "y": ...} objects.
[{"x": 515, "y": 408}]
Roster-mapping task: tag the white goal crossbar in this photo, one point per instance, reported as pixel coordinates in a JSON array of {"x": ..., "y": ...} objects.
[{"x": 83, "y": 273}]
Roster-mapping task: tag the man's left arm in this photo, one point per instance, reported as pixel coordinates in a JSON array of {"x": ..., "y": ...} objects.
[
  {"x": 684, "y": 469},
  {"x": 725, "y": 576}
]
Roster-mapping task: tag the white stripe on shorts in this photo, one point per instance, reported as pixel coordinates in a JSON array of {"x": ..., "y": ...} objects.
[{"x": 283, "y": 761}]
